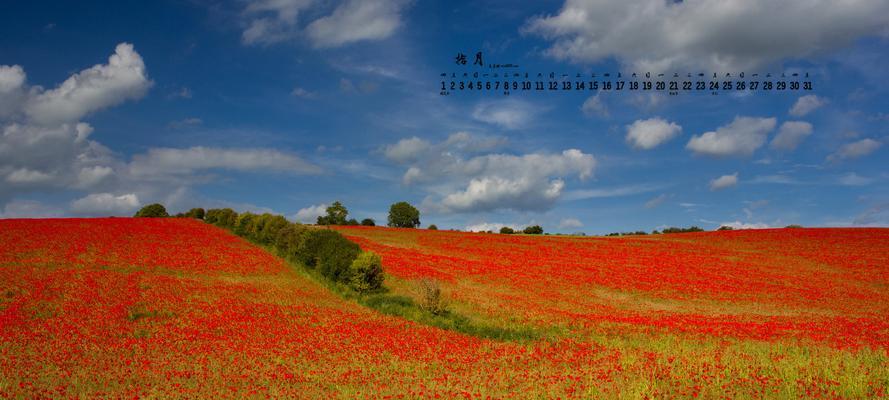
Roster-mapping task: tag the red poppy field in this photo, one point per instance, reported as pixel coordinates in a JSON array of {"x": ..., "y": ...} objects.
[{"x": 166, "y": 308}]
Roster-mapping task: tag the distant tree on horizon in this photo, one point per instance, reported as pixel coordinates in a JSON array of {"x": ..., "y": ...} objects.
[
  {"x": 404, "y": 215},
  {"x": 533, "y": 230},
  {"x": 336, "y": 215},
  {"x": 155, "y": 210},
  {"x": 368, "y": 222}
]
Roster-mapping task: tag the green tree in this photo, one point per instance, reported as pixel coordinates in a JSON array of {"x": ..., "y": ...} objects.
[
  {"x": 195, "y": 213},
  {"x": 336, "y": 215},
  {"x": 533, "y": 230},
  {"x": 507, "y": 230},
  {"x": 368, "y": 222},
  {"x": 404, "y": 215},
  {"x": 152, "y": 211},
  {"x": 366, "y": 272},
  {"x": 432, "y": 227}
]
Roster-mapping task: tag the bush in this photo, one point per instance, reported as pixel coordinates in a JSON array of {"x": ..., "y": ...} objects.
[
  {"x": 195, "y": 213},
  {"x": 794, "y": 226},
  {"x": 223, "y": 218},
  {"x": 404, "y": 215},
  {"x": 533, "y": 230},
  {"x": 268, "y": 227},
  {"x": 152, "y": 211},
  {"x": 366, "y": 272},
  {"x": 288, "y": 240},
  {"x": 431, "y": 298},
  {"x": 336, "y": 215},
  {"x": 507, "y": 230},
  {"x": 432, "y": 227},
  {"x": 352, "y": 222},
  {"x": 329, "y": 252},
  {"x": 725, "y": 228},
  {"x": 368, "y": 222},
  {"x": 682, "y": 230}
]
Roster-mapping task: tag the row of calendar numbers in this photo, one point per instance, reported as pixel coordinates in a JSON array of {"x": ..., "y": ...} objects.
[{"x": 673, "y": 87}]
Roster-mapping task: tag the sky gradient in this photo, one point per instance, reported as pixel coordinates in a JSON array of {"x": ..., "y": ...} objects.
[{"x": 288, "y": 105}]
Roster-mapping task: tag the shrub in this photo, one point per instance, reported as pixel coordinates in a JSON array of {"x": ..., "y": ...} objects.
[
  {"x": 368, "y": 222},
  {"x": 533, "y": 230},
  {"x": 329, "y": 252},
  {"x": 507, "y": 230},
  {"x": 288, "y": 239},
  {"x": 223, "y": 218},
  {"x": 431, "y": 298},
  {"x": 366, "y": 272},
  {"x": 352, "y": 222},
  {"x": 794, "y": 226},
  {"x": 432, "y": 227},
  {"x": 725, "y": 228},
  {"x": 152, "y": 211},
  {"x": 195, "y": 213},
  {"x": 404, "y": 215},
  {"x": 245, "y": 225},
  {"x": 682, "y": 230}
]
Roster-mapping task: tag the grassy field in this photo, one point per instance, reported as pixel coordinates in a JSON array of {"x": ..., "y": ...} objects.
[{"x": 177, "y": 308}]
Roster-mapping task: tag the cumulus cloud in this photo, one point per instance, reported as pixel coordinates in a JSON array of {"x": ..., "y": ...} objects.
[
  {"x": 272, "y": 21},
  {"x": 853, "y": 150},
  {"x": 739, "y": 138},
  {"x": 746, "y": 225},
  {"x": 490, "y": 226},
  {"x": 95, "y": 88},
  {"x": 716, "y": 35},
  {"x": 807, "y": 104},
  {"x": 357, "y": 20},
  {"x": 649, "y": 133},
  {"x": 106, "y": 204},
  {"x": 310, "y": 214},
  {"x": 170, "y": 161},
  {"x": 724, "y": 182},
  {"x": 790, "y": 135},
  {"x": 29, "y": 209},
  {"x": 406, "y": 150},
  {"x": 468, "y": 182},
  {"x": 507, "y": 114},
  {"x": 570, "y": 223}
]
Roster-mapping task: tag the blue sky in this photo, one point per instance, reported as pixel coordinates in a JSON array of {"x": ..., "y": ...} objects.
[{"x": 288, "y": 105}]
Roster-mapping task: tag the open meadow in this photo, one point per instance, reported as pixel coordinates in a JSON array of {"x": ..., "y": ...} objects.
[{"x": 175, "y": 307}]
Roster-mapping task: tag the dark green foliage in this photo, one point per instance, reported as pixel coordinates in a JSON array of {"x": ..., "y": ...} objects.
[
  {"x": 404, "y": 215},
  {"x": 336, "y": 215},
  {"x": 794, "y": 226},
  {"x": 288, "y": 240},
  {"x": 533, "y": 230},
  {"x": 223, "y": 218},
  {"x": 507, "y": 230},
  {"x": 366, "y": 272},
  {"x": 152, "y": 211},
  {"x": 328, "y": 252},
  {"x": 432, "y": 227},
  {"x": 245, "y": 225},
  {"x": 269, "y": 228},
  {"x": 683, "y": 230},
  {"x": 725, "y": 228},
  {"x": 352, "y": 222},
  {"x": 195, "y": 213},
  {"x": 655, "y": 232},
  {"x": 630, "y": 233},
  {"x": 368, "y": 222}
]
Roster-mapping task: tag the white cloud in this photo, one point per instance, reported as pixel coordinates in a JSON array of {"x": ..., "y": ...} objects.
[
  {"x": 570, "y": 223},
  {"x": 620, "y": 191},
  {"x": 650, "y": 133},
  {"x": 807, "y": 104},
  {"x": 594, "y": 105},
  {"x": 273, "y": 21},
  {"x": 357, "y": 20},
  {"x": 406, "y": 150},
  {"x": 790, "y": 135},
  {"x": 725, "y": 181},
  {"x": 300, "y": 92},
  {"x": 106, "y": 204},
  {"x": 653, "y": 203},
  {"x": 507, "y": 114},
  {"x": 746, "y": 225},
  {"x": 490, "y": 226},
  {"x": 29, "y": 209},
  {"x": 857, "y": 149},
  {"x": 170, "y": 161},
  {"x": 739, "y": 138},
  {"x": 24, "y": 175},
  {"x": 466, "y": 182},
  {"x": 92, "y": 89},
  {"x": 310, "y": 214},
  {"x": 12, "y": 90},
  {"x": 853, "y": 179},
  {"x": 717, "y": 35},
  {"x": 90, "y": 176}
]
